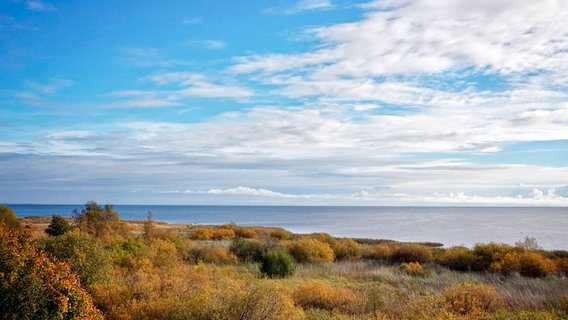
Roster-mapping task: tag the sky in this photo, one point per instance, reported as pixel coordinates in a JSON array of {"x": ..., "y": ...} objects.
[{"x": 297, "y": 102}]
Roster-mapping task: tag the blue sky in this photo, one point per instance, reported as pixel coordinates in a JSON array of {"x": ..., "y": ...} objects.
[{"x": 304, "y": 102}]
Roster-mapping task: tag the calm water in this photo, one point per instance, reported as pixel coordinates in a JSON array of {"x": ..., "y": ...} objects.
[{"x": 448, "y": 225}]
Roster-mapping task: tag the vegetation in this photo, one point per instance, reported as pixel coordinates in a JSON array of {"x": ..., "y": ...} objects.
[
  {"x": 32, "y": 286},
  {"x": 277, "y": 264},
  {"x": 151, "y": 270},
  {"x": 8, "y": 218},
  {"x": 58, "y": 226}
]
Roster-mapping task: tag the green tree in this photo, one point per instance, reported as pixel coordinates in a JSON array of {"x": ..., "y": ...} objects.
[
  {"x": 100, "y": 222},
  {"x": 34, "y": 287},
  {"x": 8, "y": 217},
  {"x": 58, "y": 226}
]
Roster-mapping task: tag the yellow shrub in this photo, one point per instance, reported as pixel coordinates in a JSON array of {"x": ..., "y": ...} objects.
[
  {"x": 410, "y": 252},
  {"x": 472, "y": 299},
  {"x": 381, "y": 252},
  {"x": 247, "y": 233},
  {"x": 413, "y": 268},
  {"x": 224, "y": 234},
  {"x": 533, "y": 264},
  {"x": 210, "y": 254},
  {"x": 347, "y": 249},
  {"x": 281, "y": 234},
  {"x": 312, "y": 251},
  {"x": 457, "y": 258},
  {"x": 202, "y": 233},
  {"x": 320, "y": 295}
]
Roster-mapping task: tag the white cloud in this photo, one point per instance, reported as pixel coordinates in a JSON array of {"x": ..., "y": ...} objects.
[
  {"x": 39, "y": 6},
  {"x": 207, "y": 44}
]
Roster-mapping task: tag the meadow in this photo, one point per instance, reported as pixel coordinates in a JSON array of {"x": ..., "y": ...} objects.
[{"x": 96, "y": 265}]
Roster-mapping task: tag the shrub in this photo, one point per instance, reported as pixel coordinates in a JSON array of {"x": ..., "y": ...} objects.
[
  {"x": 381, "y": 252},
  {"x": 562, "y": 266},
  {"x": 472, "y": 299},
  {"x": 346, "y": 249},
  {"x": 84, "y": 253},
  {"x": 535, "y": 265},
  {"x": 270, "y": 301},
  {"x": 34, "y": 287},
  {"x": 58, "y": 226},
  {"x": 246, "y": 233},
  {"x": 489, "y": 257},
  {"x": 223, "y": 233},
  {"x": 277, "y": 264},
  {"x": 457, "y": 258},
  {"x": 312, "y": 251},
  {"x": 405, "y": 253},
  {"x": 8, "y": 217},
  {"x": 247, "y": 250},
  {"x": 281, "y": 234},
  {"x": 210, "y": 254},
  {"x": 320, "y": 295},
  {"x": 413, "y": 268},
  {"x": 201, "y": 233}
]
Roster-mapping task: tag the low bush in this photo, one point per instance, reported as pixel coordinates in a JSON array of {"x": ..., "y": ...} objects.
[
  {"x": 405, "y": 253},
  {"x": 58, "y": 226},
  {"x": 201, "y": 233},
  {"x": 457, "y": 258},
  {"x": 248, "y": 250},
  {"x": 413, "y": 269},
  {"x": 311, "y": 251},
  {"x": 281, "y": 234},
  {"x": 472, "y": 299},
  {"x": 277, "y": 264},
  {"x": 347, "y": 249},
  {"x": 246, "y": 233},
  {"x": 210, "y": 254},
  {"x": 320, "y": 295},
  {"x": 535, "y": 265},
  {"x": 224, "y": 233}
]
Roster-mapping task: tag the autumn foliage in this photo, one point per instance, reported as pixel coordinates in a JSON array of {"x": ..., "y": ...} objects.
[{"x": 32, "y": 286}]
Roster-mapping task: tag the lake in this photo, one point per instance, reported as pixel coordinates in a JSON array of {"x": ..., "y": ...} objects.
[{"x": 448, "y": 225}]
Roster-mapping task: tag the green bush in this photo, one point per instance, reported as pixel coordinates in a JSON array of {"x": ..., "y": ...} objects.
[
  {"x": 84, "y": 253},
  {"x": 58, "y": 226},
  {"x": 247, "y": 250},
  {"x": 277, "y": 264}
]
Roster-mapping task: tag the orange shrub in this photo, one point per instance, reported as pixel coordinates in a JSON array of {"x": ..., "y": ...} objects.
[
  {"x": 201, "y": 233},
  {"x": 413, "y": 268},
  {"x": 533, "y": 264},
  {"x": 312, "y": 251},
  {"x": 224, "y": 234},
  {"x": 562, "y": 266},
  {"x": 210, "y": 254},
  {"x": 472, "y": 299},
  {"x": 409, "y": 252},
  {"x": 320, "y": 295},
  {"x": 247, "y": 233},
  {"x": 347, "y": 249}
]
